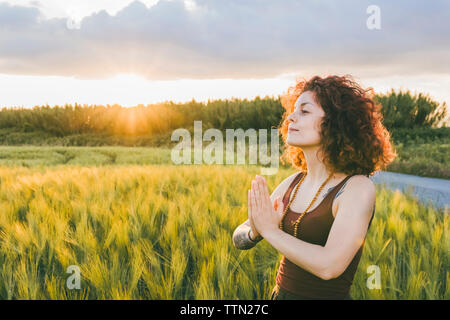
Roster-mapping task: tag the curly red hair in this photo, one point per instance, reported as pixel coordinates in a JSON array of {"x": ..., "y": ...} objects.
[{"x": 353, "y": 138}]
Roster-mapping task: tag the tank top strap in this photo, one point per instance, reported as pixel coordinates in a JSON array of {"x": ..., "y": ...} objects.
[
  {"x": 337, "y": 188},
  {"x": 327, "y": 202},
  {"x": 289, "y": 190}
]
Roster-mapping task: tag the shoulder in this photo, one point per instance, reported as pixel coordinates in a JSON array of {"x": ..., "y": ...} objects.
[
  {"x": 358, "y": 185},
  {"x": 358, "y": 182},
  {"x": 361, "y": 183},
  {"x": 357, "y": 189}
]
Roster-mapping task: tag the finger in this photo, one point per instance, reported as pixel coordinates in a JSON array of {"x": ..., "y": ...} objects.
[
  {"x": 255, "y": 208},
  {"x": 266, "y": 195},
  {"x": 250, "y": 207},
  {"x": 258, "y": 194},
  {"x": 266, "y": 189},
  {"x": 255, "y": 193},
  {"x": 262, "y": 200},
  {"x": 251, "y": 200}
]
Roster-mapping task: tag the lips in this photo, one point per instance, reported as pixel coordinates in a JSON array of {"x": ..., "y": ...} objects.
[{"x": 292, "y": 130}]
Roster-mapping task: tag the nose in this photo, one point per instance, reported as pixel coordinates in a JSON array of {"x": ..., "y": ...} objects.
[{"x": 292, "y": 117}]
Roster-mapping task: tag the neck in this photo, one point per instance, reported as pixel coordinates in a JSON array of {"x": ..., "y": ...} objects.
[{"x": 317, "y": 171}]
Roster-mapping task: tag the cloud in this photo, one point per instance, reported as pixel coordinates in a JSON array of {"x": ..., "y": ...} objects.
[{"x": 229, "y": 39}]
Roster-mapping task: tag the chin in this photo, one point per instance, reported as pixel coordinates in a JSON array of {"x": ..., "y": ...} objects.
[
  {"x": 294, "y": 143},
  {"x": 300, "y": 144}
]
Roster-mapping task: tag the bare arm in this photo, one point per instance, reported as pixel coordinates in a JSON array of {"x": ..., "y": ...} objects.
[{"x": 241, "y": 233}]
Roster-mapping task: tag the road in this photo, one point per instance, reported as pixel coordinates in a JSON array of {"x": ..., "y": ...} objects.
[{"x": 425, "y": 189}]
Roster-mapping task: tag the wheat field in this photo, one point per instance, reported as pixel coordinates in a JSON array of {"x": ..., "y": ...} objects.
[{"x": 164, "y": 232}]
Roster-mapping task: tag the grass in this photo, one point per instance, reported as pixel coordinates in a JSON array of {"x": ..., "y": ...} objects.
[
  {"x": 164, "y": 232},
  {"x": 428, "y": 160},
  {"x": 38, "y": 156}
]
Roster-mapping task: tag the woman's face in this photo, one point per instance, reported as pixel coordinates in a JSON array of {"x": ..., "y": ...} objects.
[{"x": 306, "y": 118}]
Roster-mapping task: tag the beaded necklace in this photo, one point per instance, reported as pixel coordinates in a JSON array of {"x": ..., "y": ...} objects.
[{"x": 296, "y": 223}]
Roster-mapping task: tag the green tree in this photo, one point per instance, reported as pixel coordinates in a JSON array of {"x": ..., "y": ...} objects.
[{"x": 404, "y": 110}]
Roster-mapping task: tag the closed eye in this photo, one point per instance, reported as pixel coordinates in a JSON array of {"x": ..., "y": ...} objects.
[{"x": 302, "y": 111}]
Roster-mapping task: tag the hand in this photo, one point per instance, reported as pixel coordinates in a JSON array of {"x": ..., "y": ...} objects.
[
  {"x": 254, "y": 233},
  {"x": 263, "y": 216}
]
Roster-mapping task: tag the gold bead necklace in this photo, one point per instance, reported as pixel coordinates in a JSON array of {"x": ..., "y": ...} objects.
[{"x": 296, "y": 223}]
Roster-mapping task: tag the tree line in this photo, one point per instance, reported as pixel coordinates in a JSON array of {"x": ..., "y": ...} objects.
[{"x": 401, "y": 110}]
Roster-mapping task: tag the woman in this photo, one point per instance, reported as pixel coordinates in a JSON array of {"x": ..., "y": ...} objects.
[{"x": 318, "y": 217}]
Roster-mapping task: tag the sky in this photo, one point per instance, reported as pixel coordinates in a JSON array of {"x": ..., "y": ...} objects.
[{"x": 140, "y": 52}]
